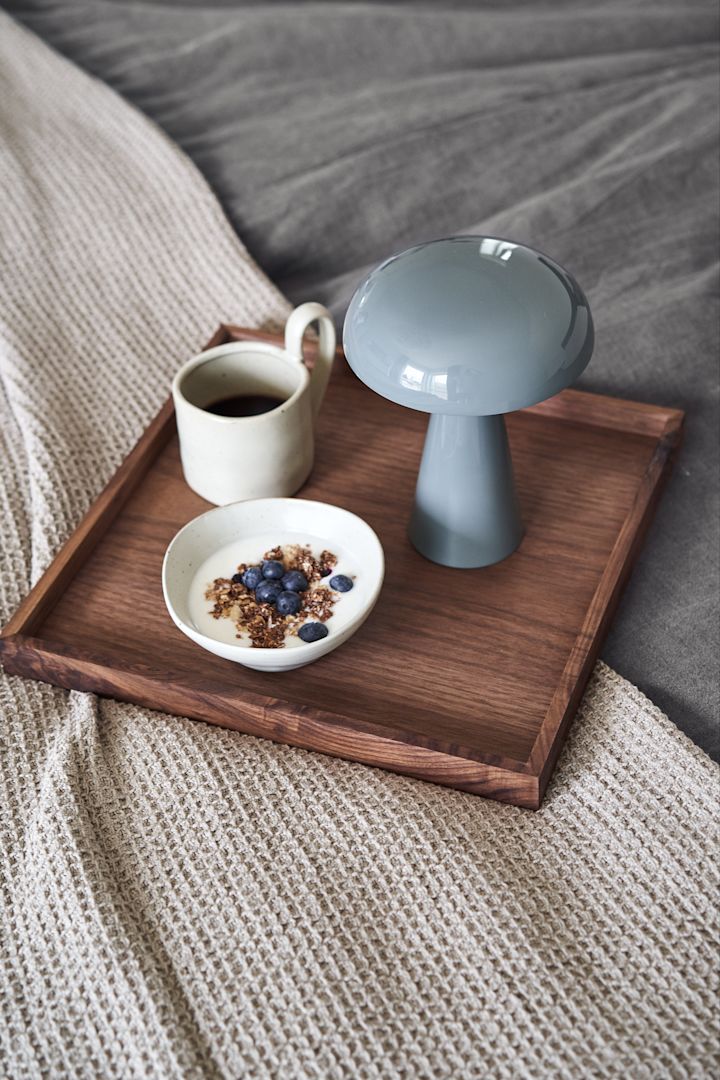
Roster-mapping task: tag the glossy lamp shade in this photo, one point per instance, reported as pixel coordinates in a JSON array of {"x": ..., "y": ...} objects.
[{"x": 468, "y": 327}]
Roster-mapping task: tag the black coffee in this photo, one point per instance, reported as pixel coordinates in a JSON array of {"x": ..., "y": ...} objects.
[{"x": 244, "y": 405}]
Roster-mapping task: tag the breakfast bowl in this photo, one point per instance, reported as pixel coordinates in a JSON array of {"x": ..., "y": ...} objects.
[{"x": 208, "y": 600}]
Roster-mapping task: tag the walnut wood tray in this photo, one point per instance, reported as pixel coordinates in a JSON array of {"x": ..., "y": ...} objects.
[{"x": 463, "y": 677}]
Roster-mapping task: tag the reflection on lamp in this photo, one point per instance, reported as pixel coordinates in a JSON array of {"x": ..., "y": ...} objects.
[
  {"x": 430, "y": 382},
  {"x": 499, "y": 249},
  {"x": 438, "y": 384},
  {"x": 411, "y": 377}
]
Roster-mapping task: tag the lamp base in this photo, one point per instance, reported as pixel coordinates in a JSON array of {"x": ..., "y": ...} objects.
[{"x": 466, "y": 511}]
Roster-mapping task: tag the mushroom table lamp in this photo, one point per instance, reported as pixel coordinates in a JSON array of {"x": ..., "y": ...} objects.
[{"x": 467, "y": 329}]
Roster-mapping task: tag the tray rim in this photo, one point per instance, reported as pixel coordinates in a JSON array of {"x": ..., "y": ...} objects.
[{"x": 524, "y": 781}]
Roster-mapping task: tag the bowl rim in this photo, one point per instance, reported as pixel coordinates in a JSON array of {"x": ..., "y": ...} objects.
[{"x": 350, "y": 628}]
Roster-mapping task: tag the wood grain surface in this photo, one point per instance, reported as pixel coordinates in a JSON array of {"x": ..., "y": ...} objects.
[{"x": 463, "y": 677}]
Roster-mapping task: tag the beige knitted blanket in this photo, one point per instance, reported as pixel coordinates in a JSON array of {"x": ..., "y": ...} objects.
[{"x": 181, "y": 901}]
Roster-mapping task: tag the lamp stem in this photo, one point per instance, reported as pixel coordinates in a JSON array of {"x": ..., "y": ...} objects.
[{"x": 466, "y": 511}]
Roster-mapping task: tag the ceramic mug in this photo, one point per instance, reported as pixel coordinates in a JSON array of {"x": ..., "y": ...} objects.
[{"x": 231, "y": 458}]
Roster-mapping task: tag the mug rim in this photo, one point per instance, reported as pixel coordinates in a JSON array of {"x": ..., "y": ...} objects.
[{"x": 239, "y": 346}]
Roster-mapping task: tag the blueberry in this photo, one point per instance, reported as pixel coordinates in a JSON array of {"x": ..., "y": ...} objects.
[
  {"x": 237, "y": 579},
  {"x": 252, "y": 577},
  {"x": 313, "y": 631},
  {"x": 325, "y": 571},
  {"x": 294, "y": 581},
  {"x": 341, "y": 583},
  {"x": 272, "y": 569},
  {"x": 288, "y": 603},
  {"x": 267, "y": 592}
]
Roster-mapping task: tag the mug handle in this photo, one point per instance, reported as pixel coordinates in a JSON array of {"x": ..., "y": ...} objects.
[{"x": 295, "y": 329}]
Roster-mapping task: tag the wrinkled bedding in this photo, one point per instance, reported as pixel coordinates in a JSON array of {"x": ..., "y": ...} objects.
[{"x": 334, "y": 133}]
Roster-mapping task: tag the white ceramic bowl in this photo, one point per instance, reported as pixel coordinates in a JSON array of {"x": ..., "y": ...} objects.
[{"x": 261, "y": 524}]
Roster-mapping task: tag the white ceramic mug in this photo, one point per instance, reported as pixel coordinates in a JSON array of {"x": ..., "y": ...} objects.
[{"x": 231, "y": 458}]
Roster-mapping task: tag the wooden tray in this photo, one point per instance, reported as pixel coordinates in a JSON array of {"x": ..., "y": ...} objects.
[{"x": 463, "y": 677}]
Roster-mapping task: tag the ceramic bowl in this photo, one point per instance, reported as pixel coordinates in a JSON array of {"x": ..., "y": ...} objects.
[{"x": 252, "y": 527}]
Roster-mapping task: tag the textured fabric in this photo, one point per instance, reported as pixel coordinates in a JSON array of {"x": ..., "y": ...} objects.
[
  {"x": 179, "y": 901},
  {"x": 337, "y": 132},
  {"x": 189, "y": 902}
]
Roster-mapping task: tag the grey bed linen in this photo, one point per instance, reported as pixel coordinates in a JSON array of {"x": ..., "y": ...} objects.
[{"x": 335, "y": 133}]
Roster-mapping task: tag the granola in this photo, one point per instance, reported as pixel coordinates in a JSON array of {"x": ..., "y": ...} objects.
[{"x": 260, "y": 621}]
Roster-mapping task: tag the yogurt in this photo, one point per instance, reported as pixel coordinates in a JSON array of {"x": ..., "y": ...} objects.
[{"x": 224, "y": 562}]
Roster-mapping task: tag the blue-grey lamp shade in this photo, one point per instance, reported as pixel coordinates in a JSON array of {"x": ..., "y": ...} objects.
[
  {"x": 468, "y": 328},
  {"x": 471, "y": 325}
]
